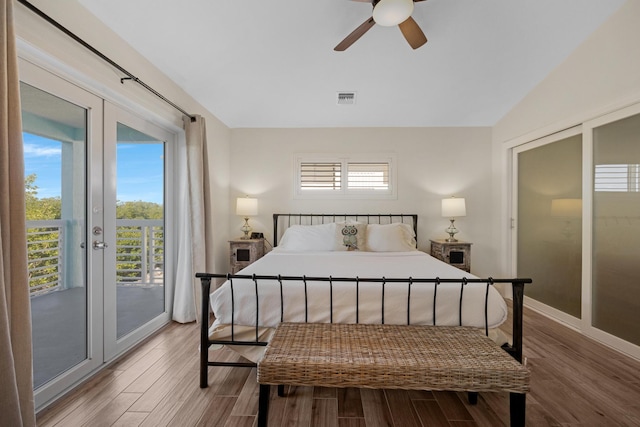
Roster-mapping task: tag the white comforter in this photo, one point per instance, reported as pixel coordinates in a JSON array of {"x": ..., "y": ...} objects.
[{"x": 414, "y": 264}]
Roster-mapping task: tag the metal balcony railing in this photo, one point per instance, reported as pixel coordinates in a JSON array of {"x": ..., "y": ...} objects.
[
  {"x": 139, "y": 253},
  {"x": 44, "y": 254}
]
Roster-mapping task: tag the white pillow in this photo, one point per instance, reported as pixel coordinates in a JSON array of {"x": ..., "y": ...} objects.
[
  {"x": 395, "y": 237},
  {"x": 350, "y": 236},
  {"x": 306, "y": 238}
]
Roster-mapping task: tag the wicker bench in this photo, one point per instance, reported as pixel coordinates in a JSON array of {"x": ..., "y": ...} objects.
[{"x": 390, "y": 357}]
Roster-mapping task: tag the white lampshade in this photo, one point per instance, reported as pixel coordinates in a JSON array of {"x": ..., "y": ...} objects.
[
  {"x": 568, "y": 208},
  {"x": 392, "y": 12},
  {"x": 246, "y": 206},
  {"x": 453, "y": 207}
]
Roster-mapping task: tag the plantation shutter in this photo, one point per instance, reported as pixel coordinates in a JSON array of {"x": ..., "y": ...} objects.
[
  {"x": 368, "y": 176},
  {"x": 624, "y": 178},
  {"x": 320, "y": 176},
  {"x": 345, "y": 176}
]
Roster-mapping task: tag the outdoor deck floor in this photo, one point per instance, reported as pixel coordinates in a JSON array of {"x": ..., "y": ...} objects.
[{"x": 59, "y": 324}]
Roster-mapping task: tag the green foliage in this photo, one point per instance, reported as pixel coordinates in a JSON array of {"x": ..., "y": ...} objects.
[
  {"x": 139, "y": 210},
  {"x": 40, "y": 209},
  {"x": 44, "y": 242}
]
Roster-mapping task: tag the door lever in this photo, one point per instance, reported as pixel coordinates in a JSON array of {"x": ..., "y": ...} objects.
[{"x": 99, "y": 245}]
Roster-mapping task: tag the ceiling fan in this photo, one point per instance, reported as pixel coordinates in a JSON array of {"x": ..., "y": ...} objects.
[{"x": 388, "y": 13}]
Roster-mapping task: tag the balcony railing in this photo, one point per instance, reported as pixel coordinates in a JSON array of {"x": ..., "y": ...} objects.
[
  {"x": 139, "y": 253},
  {"x": 44, "y": 250}
]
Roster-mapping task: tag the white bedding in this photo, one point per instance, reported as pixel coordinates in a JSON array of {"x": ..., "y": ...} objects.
[{"x": 414, "y": 264}]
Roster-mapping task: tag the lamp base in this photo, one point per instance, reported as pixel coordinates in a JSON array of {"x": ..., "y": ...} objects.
[
  {"x": 246, "y": 229},
  {"x": 451, "y": 230}
]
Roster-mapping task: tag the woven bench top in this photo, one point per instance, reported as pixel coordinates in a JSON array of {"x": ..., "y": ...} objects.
[{"x": 389, "y": 356}]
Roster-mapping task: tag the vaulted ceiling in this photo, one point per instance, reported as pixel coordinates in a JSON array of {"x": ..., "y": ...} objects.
[{"x": 256, "y": 63}]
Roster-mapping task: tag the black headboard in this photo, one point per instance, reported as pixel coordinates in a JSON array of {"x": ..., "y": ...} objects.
[{"x": 284, "y": 221}]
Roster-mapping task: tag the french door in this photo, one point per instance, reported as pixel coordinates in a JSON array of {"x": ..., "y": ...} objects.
[
  {"x": 136, "y": 296},
  {"x": 98, "y": 228}
]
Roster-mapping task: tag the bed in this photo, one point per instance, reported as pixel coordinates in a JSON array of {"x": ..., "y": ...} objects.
[{"x": 347, "y": 269}]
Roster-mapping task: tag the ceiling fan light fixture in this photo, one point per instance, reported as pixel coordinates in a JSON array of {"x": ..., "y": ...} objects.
[{"x": 392, "y": 12}]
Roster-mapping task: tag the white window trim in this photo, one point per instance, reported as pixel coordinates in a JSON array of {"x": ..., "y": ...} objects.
[{"x": 344, "y": 192}]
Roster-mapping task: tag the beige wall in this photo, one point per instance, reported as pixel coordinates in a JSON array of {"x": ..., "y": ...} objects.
[
  {"x": 602, "y": 75},
  {"x": 42, "y": 44},
  {"x": 432, "y": 163}
]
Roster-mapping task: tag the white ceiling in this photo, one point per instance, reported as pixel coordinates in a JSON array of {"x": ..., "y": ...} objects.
[{"x": 257, "y": 63}]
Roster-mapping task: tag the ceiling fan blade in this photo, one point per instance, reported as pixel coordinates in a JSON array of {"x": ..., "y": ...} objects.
[
  {"x": 412, "y": 32},
  {"x": 355, "y": 35}
]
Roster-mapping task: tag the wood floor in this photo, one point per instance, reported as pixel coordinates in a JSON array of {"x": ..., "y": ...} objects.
[{"x": 574, "y": 382}]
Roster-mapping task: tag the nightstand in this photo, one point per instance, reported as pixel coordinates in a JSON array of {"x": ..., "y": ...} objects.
[
  {"x": 457, "y": 254},
  {"x": 244, "y": 252}
]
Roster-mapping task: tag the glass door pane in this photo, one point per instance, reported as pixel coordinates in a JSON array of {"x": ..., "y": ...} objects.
[
  {"x": 549, "y": 234},
  {"x": 55, "y": 139},
  {"x": 616, "y": 229},
  {"x": 140, "y": 289}
]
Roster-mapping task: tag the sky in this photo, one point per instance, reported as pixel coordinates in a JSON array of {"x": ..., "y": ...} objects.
[{"x": 139, "y": 168}]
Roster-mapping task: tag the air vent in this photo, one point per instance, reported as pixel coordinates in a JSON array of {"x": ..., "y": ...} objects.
[{"x": 346, "y": 98}]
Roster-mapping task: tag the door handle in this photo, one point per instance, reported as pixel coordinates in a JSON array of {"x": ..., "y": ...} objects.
[{"x": 99, "y": 245}]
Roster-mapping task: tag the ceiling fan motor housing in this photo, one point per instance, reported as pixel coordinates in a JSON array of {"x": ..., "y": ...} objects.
[{"x": 391, "y": 12}]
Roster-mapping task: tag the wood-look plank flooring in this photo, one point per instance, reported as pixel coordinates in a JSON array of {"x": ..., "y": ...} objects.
[{"x": 574, "y": 382}]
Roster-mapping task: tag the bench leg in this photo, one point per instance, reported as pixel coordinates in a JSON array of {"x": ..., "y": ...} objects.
[
  {"x": 472, "y": 396},
  {"x": 281, "y": 390},
  {"x": 204, "y": 366},
  {"x": 517, "y": 406},
  {"x": 263, "y": 405}
]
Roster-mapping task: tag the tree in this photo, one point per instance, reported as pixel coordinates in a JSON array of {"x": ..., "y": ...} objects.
[
  {"x": 139, "y": 210},
  {"x": 40, "y": 209},
  {"x": 42, "y": 242}
]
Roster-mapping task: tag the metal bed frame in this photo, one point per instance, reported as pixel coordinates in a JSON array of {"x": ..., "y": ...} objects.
[
  {"x": 514, "y": 349},
  {"x": 314, "y": 219}
]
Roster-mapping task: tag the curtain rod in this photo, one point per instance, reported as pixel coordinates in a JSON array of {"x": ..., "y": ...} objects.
[{"x": 96, "y": 52}]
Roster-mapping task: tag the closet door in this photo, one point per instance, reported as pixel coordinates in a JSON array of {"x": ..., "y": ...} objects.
[
  {"x": 576, "y": 209},
  {"x": 548, "y": 222},
  {"x": 614, "y": 185}
]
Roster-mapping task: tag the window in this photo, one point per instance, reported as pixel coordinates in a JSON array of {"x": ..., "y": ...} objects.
[
  {"x": 345, "y": 176},
  {"x": 621, "y": 178}
]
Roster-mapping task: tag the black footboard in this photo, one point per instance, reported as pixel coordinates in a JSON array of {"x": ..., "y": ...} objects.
[{"x": 515, "y": 349}]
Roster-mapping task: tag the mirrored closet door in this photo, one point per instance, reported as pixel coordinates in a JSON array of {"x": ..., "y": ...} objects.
[
  {"x": 548, "y": 240},
  {"x": 576, "y": 216},
  {"x": 614, "y": 298}
]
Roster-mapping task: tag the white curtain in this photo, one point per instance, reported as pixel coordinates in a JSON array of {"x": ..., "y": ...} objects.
[
  {"x": 193, "y": 221},
  {"x": 16, "y": 373}
]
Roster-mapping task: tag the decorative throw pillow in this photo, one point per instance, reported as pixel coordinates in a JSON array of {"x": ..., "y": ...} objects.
[{"x": 350, "y": 236}]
